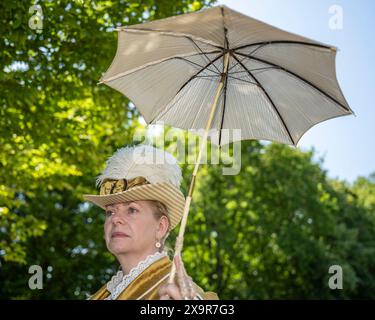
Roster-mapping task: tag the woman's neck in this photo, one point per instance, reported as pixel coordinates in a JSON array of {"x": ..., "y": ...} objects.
[{"x": 131, "y": 259}]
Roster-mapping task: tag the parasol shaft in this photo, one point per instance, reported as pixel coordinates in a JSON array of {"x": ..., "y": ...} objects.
[{"x": 180, "y": 238}]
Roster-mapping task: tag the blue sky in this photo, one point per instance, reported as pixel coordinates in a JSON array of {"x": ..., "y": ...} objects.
[{"x": 346, "y": 143}]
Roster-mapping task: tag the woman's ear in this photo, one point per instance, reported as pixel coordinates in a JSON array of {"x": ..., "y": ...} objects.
[{"x": 163, "y": 226}]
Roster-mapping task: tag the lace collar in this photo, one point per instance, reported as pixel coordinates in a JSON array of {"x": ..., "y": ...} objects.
[{"x": 120, "y": 282}]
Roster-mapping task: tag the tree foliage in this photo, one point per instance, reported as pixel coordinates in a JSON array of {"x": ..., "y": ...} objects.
[
  {"x": 274, "y": 230},
  {"x": 57, "y": 127}
]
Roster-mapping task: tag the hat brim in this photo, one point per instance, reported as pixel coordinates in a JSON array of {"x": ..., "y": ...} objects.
[{"x": 166, "y": 193}]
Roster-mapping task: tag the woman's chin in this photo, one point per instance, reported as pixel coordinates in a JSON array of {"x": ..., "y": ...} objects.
[{"x": 117, "y": 247}]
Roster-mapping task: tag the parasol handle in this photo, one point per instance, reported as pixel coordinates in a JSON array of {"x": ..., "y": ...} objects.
[{"x": 180, "y": 238}]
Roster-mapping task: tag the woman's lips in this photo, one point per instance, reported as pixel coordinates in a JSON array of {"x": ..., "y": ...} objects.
[{"x": 119, "y": 235}]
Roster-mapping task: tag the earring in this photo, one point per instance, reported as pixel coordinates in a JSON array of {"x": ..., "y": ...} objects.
[{"x": 157, "y": 244}]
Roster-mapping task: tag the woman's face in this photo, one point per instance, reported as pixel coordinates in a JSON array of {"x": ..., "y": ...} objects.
[{"x": 131, "y": 227}]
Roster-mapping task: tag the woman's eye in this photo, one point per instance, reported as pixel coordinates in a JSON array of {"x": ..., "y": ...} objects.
[
  {"x": 132, "y": 210},
  {"x": 108, "y": 213}
]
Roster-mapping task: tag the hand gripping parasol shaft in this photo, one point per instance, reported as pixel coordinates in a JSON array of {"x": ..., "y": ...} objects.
[{"x": 180, "y": 238}]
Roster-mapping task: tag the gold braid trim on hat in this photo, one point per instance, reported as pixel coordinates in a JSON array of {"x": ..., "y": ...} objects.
[{"x": 112, "y": 186}]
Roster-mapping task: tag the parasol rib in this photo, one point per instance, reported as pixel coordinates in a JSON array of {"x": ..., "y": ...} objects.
[
  {"x": 168, "y": 106},
  {"x": 172, "y": 34},
  {"x": 199, "y": 48},
  {"x": 297, "y": 76},
  {"x": 126, "y": 73},
  {"x": 226, "y": 45},
  {"x": 285, "y": 42}
]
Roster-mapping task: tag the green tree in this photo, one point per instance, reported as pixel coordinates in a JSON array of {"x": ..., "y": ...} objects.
[
  {"x": 57, "y": 126},
  {"x": 274, "y": 230}
]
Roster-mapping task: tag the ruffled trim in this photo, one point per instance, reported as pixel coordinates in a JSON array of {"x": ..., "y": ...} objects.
[{"x": 119, "y": 282}]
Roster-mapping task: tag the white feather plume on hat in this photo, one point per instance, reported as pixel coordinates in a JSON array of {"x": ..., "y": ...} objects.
[{"x": 155, "y": 165}]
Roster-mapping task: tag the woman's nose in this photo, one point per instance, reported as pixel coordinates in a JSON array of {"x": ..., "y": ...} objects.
[{"x": 117, "y": 219}]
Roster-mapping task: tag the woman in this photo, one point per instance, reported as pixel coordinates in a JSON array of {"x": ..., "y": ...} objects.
[{"x": 140, "y": 193}]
